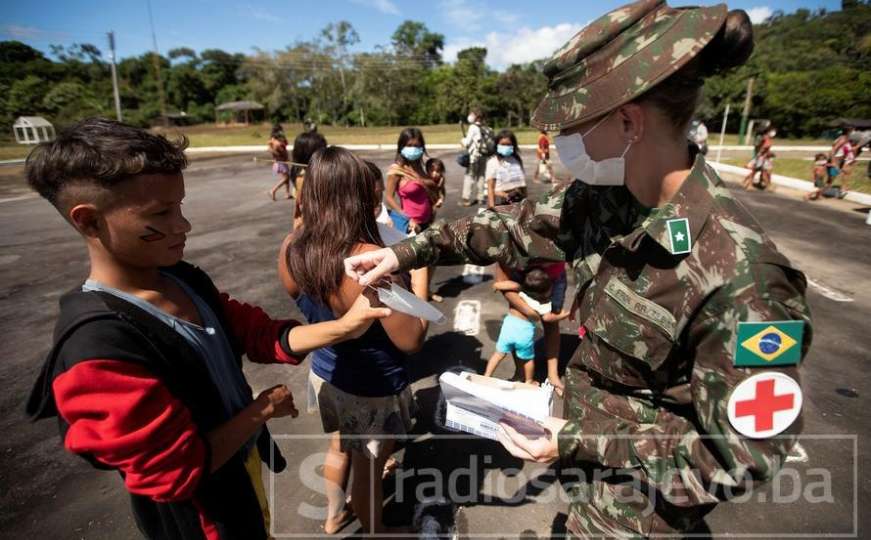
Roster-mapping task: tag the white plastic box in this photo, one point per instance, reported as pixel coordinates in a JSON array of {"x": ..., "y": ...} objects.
[{"x": 475, "y": 404}]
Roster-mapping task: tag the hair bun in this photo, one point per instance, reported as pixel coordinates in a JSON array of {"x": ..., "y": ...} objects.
[{"x": 732, "y": 45}]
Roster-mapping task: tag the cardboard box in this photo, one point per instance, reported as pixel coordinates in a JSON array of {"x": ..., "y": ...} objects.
[{"x": 475, "y": 404}]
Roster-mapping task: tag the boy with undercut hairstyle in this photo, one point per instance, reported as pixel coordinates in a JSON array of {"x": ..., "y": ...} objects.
[{"x": 145, "y": 372}]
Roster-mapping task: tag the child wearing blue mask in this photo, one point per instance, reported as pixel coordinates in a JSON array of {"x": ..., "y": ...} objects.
[
  {"x": 407, "y": 193},
  {"x": 506, "y": 178},
  {"x": 408, "y": 182}
]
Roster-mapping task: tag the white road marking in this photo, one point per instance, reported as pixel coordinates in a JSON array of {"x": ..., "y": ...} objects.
[
  {"x": 797, "y": 455},
  {"x": 467, "y": 317},
  {"x": 20, "y": 198},
  {"x": 833, "y": 295}
]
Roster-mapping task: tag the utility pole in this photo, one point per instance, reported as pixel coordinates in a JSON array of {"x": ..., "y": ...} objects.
[
  {"x": 746, "y": 114},
  {"x": 156, "y": 57},
  {"x": 114, "y": 76},
  {"x": 723, "y": 132}
]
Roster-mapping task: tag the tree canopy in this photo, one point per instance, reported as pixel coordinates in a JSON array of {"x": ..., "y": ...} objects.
[{"x": 809, "y": 68}]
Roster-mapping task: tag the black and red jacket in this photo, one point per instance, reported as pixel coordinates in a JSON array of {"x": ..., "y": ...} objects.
[{"x": 132, "y": 395}]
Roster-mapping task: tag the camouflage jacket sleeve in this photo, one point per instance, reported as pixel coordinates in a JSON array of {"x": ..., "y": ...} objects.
[
  {"x": 691, "y": 453},
  {"x": 513, "y": 235}
]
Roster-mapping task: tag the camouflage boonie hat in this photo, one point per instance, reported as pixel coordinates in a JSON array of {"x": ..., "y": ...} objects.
[{"x": 621, "y": 55}]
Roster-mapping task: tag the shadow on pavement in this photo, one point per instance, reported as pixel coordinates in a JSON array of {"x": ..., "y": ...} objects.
[
  {"x": 443, "y": 351},
  {"x": 451, "y": 288}
]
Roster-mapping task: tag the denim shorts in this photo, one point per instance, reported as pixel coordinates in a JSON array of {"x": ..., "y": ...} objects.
[{"x": 558, "y": 293}]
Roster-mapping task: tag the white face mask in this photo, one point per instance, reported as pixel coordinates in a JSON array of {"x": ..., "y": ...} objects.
[{"x": 573, "y": 154}]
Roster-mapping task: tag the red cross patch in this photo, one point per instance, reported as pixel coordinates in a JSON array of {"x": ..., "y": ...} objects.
[{"x": 764, "y": 405}]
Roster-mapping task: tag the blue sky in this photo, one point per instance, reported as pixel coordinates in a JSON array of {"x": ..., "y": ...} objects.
[{"x": 513, "y": 30}]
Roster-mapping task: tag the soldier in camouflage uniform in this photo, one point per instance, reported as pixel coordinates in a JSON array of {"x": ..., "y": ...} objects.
[{"x": 663, "y": 291}]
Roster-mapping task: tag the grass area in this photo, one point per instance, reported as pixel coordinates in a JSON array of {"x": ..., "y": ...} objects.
[
  {"x": 212, "y": 135},
  {"x": 803, "y": 170},
  {"x": 14, "y": 151}
]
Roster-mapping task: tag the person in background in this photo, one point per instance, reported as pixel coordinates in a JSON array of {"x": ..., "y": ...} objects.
[
  {"x": 473, "y": 180},
  {"x": 763, "y": 161},
  {"x": 542, "y": 153},
  {"x": 506, "y": 178},
  {"x": 844, "y": 157},
  {"x": 406, "y": 179},
  {"x": 435, "y": 168},
  {"x": 549, "y": 321},
  {"x": 698, "y": 135},
  {"x": 278, "y": 150},
  {"x": 517, "y": 335},
  {"x": 408, "y": 185},
  {"x": 361, "y": 387},
  {"x": 304, "y": 147},
  {"x": 822, "y": 180}
]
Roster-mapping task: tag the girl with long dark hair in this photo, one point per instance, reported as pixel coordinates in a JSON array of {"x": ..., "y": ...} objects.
[
  {"x": 407, "y": 192},
  {"x": 361, "y": 387},
  {"x": 407, "y": 179}
]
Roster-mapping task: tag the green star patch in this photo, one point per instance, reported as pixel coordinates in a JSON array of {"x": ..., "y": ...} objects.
[
  {"x": 769, "y": 343},
  {"x": 679, "y": 236}
]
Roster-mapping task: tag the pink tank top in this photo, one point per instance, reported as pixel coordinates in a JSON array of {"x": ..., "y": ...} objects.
[{"x": 413, "y": 196}]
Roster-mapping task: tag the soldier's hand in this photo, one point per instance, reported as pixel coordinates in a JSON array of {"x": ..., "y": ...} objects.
[
  {"x": 542, "y": 449},
  {"x": 368, "y": 267}
]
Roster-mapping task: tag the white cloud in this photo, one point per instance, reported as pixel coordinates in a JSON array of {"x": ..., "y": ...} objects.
[
  {"x": 518, "y": 47},
  {"x": 261, "y": 14},
  {"x": 759, "y": 14},
  {"x": 384, "y": 6},
  {"x": 463, "y": 15},
  {"x": 31, "y": 33}
]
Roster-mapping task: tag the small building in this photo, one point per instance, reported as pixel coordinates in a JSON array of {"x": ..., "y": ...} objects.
[
  {"x": 32, "y": 130},
  {"x": 240, "y": 111}
]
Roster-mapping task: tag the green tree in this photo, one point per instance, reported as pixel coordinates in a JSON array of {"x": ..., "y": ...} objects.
[
  {"x": 69, "y": 101},
  {"x": 413, "y": 39}
]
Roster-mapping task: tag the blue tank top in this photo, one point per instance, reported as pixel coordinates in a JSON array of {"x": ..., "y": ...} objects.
[{"x": 369, "y": 366}]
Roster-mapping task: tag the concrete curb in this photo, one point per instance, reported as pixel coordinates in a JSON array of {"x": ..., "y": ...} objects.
[
  {"x": 794, "y": 183},
  {"x": 441, "y": 146},
  {"x": 262, "y": 148}
]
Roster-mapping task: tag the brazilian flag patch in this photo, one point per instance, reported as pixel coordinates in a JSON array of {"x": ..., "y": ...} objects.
[{"x": 769, "y": 343}]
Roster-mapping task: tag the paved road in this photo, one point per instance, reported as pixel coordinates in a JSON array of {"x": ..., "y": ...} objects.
[{"x": 45, "y": 493}]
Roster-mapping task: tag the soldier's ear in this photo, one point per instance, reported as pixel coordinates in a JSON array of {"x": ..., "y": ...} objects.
[{"x": 631, "y": 118}]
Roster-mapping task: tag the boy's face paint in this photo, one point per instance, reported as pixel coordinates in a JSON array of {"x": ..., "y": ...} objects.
[
  {"x": 149, "y": 204},
  {"x": 153, "y": 234}
]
